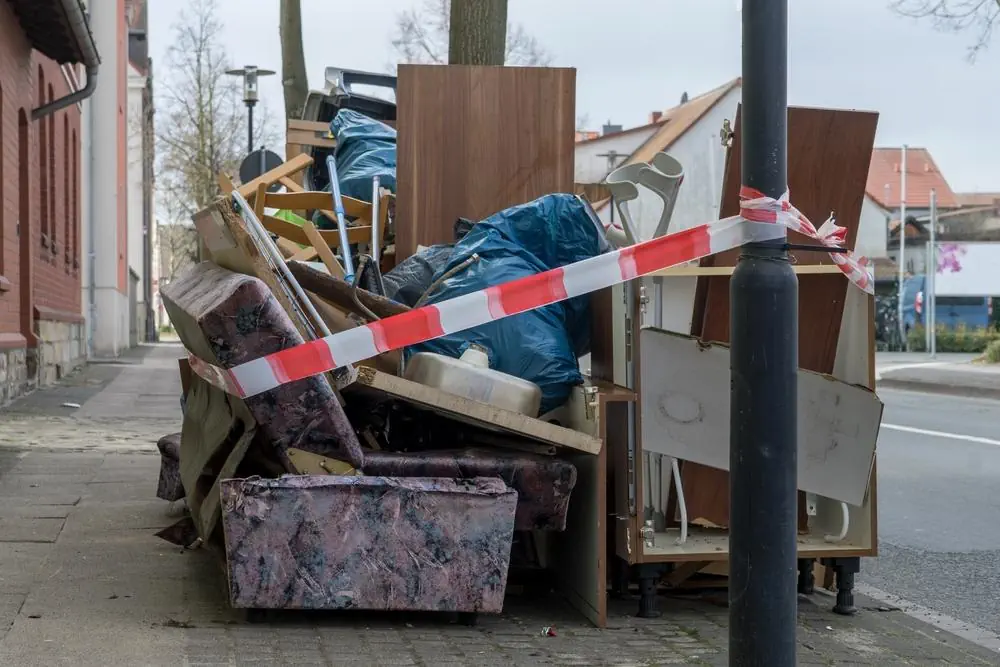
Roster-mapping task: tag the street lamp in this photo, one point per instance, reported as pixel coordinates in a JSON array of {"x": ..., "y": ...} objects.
[{"x": 250, "y": 97}]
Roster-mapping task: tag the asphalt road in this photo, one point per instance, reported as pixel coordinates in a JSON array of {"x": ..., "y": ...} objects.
[{"x": 939, "y": 505}]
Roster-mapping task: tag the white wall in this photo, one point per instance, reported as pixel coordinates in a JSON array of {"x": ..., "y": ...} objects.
[
  {"x": 134, "y": 160},
  {"x": 702, "y": 155},
  {"x": 590, "y": 168},
  {"x": 872, "y": 230},
  {"x": 109, "y": 320}
]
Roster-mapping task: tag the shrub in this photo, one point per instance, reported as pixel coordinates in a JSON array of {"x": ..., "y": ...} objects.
[
  {"x": 958, "y": 339},
  {"x": 993, "y": 352}
]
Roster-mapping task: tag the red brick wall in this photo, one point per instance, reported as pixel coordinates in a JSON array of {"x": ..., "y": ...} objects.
[{"x": 54, "y": 198}]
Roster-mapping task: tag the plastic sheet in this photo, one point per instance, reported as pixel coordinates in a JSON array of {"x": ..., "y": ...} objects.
[
  {"x": 365, "y": 148},
  {"x": 542, "y": 345},
  {"x": 408, "y": 280}
]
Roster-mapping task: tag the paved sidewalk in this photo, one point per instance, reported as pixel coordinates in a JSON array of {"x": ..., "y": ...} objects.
[
  {"x": 959, "y": 379},
  {"x": 84, "y": 582}
]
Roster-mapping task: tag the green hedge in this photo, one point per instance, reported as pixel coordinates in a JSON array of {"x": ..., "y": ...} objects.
[{"x": 958, "y": 339}]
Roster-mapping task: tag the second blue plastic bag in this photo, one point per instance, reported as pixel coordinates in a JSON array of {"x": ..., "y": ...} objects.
[{"x": 542, "y": 345}]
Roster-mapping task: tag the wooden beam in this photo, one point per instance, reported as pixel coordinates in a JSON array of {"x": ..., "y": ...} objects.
[
  {"x": 313, "y": 200},
  {"x": 283, "y": 170},
  {"x": 473, "y": 412},
  {"x": 325, "y": 254},
  {"x": 294, "y": 233},
  {"x": 307, "y": 254},
  {"x": 309, "y": 133},
  {"x": 339, "y": 293}
]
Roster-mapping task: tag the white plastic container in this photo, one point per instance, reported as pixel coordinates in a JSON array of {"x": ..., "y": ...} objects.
[{"x": 471, "y": 377}]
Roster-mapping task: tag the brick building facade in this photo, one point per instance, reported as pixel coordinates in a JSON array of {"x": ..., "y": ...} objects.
[{"x": 41, "y": 327}]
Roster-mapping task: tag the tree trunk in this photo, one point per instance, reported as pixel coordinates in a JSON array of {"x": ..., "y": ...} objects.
[
  {"x": 478, "y": 32},
  {"x": 293, "y": 60}
]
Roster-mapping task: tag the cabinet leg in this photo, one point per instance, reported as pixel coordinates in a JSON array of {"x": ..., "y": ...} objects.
[
  {"x": 807, "y": 579},
  {"x": 844, "y": 569},
  {"x": 649, "y": 576}
]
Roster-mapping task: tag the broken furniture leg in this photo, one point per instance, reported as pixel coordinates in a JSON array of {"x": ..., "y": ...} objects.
[{"x": 844, "y": 569}]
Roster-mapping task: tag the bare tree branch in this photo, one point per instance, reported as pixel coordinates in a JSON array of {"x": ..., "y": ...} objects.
[
  {"x": 421, "y": 36},
  {"x": 202, "y": 122},
  {"x": 979, "y": 16}
]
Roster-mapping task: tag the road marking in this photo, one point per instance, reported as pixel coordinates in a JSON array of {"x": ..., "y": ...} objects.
[{"x": 942, "y": 434}]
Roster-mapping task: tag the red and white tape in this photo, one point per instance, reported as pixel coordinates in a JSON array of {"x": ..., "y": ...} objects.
[{"x": 761, "y": 219}]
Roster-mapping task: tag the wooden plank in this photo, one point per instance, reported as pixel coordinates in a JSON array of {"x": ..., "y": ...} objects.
[
  {"x": 476, "y": 413},
  {"x": 295, "y": 234},
  {"x": 303, "y": 254},
  {"x": 309, "y": 133},
  {"x": 476, "y": 140},
  {"x": 339, "y": 293},
  {"x": 325, "y": 254},
  {"x": 689, "y": 420},
  {"x": 297, "y": 163},
  {"x": 323, "y": 201},
  {"x": 828, "y": 156}
]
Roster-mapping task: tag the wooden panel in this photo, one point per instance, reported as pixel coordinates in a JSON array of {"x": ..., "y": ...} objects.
[
  {"x": 472, "y": 412},
  {"x": 476, "y": 140},
  {"x": 828, "y": 156}
]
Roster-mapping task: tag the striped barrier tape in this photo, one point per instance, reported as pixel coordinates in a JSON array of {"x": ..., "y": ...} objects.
[{"x": 761, "y": 219}]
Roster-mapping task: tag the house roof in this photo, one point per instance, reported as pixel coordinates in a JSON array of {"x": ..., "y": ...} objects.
[
  {"x": 922, "y": 176},
  {"x": 675, "y": 123},
  {"x": 55, "y": 31},
  {"x": 631, "y": 130},
  {"x": 977, "y": 199}
]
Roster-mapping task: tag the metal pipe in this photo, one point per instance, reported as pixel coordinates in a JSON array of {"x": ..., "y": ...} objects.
[
  {"x": 250, "y": 129},
  {"x": 68, "y": 100},
  {"x": 338, "y": 207},
  {"x": 764, "y": 362},
  {"x": 901, "y": 255},
  {"x": 91, "y": 59},
  {"x": 376, "y": 248},
  {"x": 931, "y": 280}
]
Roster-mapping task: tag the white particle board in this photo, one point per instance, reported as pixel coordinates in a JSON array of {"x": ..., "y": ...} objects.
[{"x": 685, "y": 399}]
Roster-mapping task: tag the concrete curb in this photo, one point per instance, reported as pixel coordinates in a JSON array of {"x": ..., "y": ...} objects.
[{"x": 938, "y": 388}]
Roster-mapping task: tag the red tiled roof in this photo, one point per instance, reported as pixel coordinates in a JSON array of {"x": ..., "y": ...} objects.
[{"x": 922, "y": 176}]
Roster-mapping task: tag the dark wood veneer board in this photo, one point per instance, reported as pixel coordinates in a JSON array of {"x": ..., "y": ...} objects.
[
  {"x": 828, "y": 156},
  {"x": 475, "y": 140}
]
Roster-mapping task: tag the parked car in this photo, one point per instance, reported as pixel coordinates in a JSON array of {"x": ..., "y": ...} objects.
[{"x": 973, "y": 312}]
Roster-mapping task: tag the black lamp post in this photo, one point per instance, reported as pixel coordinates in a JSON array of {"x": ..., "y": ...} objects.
[
  {"x": 250, "y": 73},
  {"x": 764, "y": 363}
]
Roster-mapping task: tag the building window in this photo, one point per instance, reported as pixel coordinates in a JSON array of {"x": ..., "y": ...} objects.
[
  {"x": 75, "y": 253},
  {"x": 53, "y": 219},
  {"x": 43, "y": 164},
  {"x": 67, "y": 212}
]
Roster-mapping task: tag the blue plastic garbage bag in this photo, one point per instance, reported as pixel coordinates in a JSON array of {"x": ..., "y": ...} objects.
[
  {"x": 365, "y": 148},
  {"x": 542, "y": 345}
]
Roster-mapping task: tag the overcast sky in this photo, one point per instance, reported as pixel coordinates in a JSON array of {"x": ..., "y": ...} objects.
[{"x": 634, "y": 56}]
